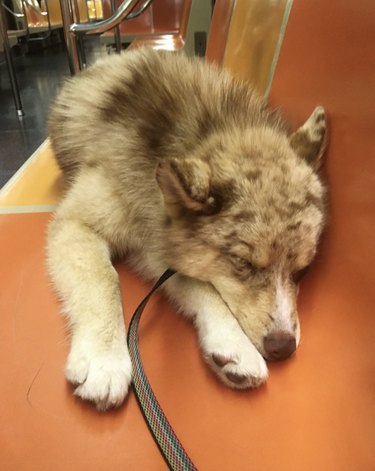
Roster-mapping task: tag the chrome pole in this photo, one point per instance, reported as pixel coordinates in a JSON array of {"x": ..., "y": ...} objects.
[
  {"x": 117, "y": 29},
  {"x": 9, "y": 62},
  {"x": 70, "y": 36},
  {"x": 80, "y": 40}
]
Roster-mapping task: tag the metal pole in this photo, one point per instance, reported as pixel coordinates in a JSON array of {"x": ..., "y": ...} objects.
[
  {"x": 9, "y": 61},
  {"x": 70, "y": 37},
  {"x": 117, "y": 29},
  {"x": 80, "y": 40}
]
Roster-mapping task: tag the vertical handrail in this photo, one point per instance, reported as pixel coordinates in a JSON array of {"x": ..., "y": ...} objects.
[
  {"x": 25, "y": 21},
  {"x": 80, "y": 42},
  {"x": 48, "y": 18},
  {"x": 70, "y": 37},
  {"x": 116, "y": 29},
  {"x": 9, "y": 62}
]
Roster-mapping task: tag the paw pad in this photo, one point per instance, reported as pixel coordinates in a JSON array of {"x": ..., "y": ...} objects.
[
  {"x": 221, "y": 360},
  {"x": 236, "y": 378}
]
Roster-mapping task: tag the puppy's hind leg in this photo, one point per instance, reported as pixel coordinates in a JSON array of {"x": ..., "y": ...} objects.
[{"x": 79, "y": 262}]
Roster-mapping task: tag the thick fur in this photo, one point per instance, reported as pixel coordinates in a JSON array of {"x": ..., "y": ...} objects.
[{"x": 173, "y": 163}]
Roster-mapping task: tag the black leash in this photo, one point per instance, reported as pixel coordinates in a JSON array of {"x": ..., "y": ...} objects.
[{"x": 164, "y": 436}]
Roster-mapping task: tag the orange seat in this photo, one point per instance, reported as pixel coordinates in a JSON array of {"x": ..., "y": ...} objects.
[
  {"x": 162, "y": 17},
  {"x": 172, "y": 41},
  {"x": 317, "y": 411}
]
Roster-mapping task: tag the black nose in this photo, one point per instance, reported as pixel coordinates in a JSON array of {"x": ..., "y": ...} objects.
[{"x": 279, "y": 345}]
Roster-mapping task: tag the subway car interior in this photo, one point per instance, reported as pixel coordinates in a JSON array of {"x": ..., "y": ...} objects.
[{"x": 316, "y": 411}]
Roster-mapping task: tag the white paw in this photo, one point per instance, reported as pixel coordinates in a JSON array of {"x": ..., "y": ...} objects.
[
  {"x": 102, "y": 376},
  {"x": 235, "y": 360}
]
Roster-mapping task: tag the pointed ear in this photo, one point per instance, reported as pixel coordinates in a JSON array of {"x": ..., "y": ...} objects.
[
  {"x": 310, "y": 140},
  {"x": 185, "y": 184}
]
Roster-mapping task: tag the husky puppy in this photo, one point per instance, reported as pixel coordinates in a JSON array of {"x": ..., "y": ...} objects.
[{"x": 173, "y": 163}]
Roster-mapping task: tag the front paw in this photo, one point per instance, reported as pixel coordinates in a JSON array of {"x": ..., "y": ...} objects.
[
  {"x": 238, "y": 364},
  {"x": 102, "y": 376}
]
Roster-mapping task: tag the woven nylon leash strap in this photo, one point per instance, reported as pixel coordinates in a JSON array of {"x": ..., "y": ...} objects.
[{"x": 163, "y": 434}]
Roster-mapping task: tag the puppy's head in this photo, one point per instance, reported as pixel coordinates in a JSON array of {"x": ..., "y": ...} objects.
[{"x": 245, "y": 214}]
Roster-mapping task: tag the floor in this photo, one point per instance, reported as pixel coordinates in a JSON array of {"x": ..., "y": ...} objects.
[
  {"x": 39, "y": 74},
  {"x": 317, "y": 410}
]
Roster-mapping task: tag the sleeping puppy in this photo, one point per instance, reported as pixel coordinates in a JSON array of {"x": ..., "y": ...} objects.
[{"x": 172, "y": 163}]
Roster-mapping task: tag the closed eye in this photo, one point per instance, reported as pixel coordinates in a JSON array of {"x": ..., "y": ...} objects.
[
  {"x": 240, "y": 262},
  {"x": 243, "y": 265}
]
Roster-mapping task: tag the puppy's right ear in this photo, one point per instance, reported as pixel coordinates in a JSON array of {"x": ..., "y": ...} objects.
[
  {"x": 185, "y": 184},
  {"x": 310, "y": 140}
]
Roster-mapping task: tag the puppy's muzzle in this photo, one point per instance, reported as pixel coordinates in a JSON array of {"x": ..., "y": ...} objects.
[{"x": 279, "y": 345}]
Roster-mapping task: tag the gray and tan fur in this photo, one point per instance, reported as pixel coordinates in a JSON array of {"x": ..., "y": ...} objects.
[{"x": 171, "y": 163}]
